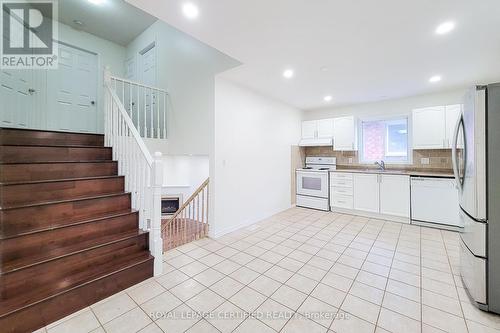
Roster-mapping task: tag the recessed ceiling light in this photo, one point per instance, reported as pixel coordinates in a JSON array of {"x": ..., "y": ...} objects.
[
  {"x": 327, "y": 98},
  {"x": 96, "y": 2},
  {"x": 435, "y": 78},
  {"x": 288, "y": 73},
  {"x": 445, "y": 27},
  {"x": 190, "y": 10}
]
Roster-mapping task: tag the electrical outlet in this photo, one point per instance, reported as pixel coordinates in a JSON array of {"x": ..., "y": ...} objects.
[
  {"x": 424, "y": 160},
  {"x": 350, "y": 160}
]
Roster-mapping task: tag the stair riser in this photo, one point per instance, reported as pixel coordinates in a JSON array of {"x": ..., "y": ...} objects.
[
  {"x": 44, "y": 138},
  {"x": 25, "y": 154},
  {"x": 22, "y": 220},
  {"x": 46, "y": 312},
  {"x": 26, "y": 194},
  {"x": 41, "y": 171},
  {"x": 51, "y": 273},
  {"x": 37, "y": 246}
]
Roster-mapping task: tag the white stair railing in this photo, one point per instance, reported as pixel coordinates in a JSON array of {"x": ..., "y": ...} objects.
[
  {"x": 145, "y": 105},
  {"x": 143, "y": 172}
]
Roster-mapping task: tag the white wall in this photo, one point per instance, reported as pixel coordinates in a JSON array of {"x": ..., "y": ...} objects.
[
  {"x": 186, "y": 69},
  {"x": 251, "y": 158},
  {"x": 184, "y": 174},
  {"x": 388, "y": 107}
]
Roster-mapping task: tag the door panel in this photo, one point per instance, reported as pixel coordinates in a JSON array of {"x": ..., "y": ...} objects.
[
  {"x": 395, "y": 195},
  {"x": 429, "y": 128},
  {"x": 473, "y": 191},
  {"x": 366, "y": 192},
  {"x": 453, "y": 113},
  {"x": 17, "y": 100},
  {"x": 72, "y": 91}
]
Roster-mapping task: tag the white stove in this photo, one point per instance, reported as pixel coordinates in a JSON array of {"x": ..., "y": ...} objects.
[{"x": 313, "y": 182}]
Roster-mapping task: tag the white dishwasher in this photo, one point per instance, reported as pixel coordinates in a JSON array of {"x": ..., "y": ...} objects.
[{"x": 435, "y": 201}]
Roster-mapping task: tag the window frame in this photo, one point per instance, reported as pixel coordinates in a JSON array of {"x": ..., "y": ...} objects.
[{"x": 409, "y": 125}]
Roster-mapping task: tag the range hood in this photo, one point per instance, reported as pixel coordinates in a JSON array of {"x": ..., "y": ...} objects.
[{"x": 315, "y": 142}]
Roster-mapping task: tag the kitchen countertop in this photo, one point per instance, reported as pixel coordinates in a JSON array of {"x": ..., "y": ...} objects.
[{"x": 416, "y": 173}]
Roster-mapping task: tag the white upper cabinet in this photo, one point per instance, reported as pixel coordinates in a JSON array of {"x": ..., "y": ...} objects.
[
  {"x": 345, "y": 134},
  {"x": 452, "y": 115},
  {"x": 429, "y": 128},
  {"x": 317, "y": 129},
  {"x": 366, "y": 192},
  {"x": 325, "y": 128},
  {"x": 309, "y": 129},
  {"x": 433, "y": 127},
  {"x": 395, "y": 195}
]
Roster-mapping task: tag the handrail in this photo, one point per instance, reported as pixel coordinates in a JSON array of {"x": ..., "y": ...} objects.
[
  {"x": 142, "y": 171},
  {"x": 135, "y": 83},
  {"x": 146, "y": 106},
  {"x": 190, "y": 222},
  {"x": 189, "y": 201},
  {"x": 130, "y": 124}
]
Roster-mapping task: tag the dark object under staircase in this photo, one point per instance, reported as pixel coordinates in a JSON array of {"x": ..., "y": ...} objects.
[{"x": 68, "y": 235}]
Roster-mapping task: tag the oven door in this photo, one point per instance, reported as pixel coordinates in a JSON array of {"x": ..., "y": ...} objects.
[{"x": 312, "y": 183}]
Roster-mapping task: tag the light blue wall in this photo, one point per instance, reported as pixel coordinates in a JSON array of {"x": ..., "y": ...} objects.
[{"x": 186, "y": 68}]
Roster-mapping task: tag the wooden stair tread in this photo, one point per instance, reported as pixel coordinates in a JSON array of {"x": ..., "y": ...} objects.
[
  {"x": 27, "y": 182},
  {"x": 65, "y": 201},
  {"x": 97, "y": 272},
  {"x": 58, "y": 162},
  {"x": 75, "y": 222},
  {"x": 60, "y": 252}
]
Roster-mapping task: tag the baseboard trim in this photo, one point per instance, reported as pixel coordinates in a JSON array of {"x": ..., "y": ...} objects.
[
  {"x": 392, "y": 218},
  {"x": 219, "y": 233}
]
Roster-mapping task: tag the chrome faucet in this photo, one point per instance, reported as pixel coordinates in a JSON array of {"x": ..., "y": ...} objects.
[{"x": 381, "y": 165}]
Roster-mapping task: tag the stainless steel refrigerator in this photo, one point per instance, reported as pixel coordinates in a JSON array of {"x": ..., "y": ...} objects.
[{"x": 476, "y": 163}]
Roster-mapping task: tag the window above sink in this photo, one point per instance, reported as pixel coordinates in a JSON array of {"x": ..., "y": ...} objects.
[{"x": 385, "y": 139}]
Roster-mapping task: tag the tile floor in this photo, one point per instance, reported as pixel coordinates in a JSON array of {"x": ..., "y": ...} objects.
[{"x": 299, "y": 271}]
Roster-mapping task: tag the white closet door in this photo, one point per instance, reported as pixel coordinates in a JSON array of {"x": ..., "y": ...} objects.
[
  {"x": 72, "y": 93},
  {"x": 17, "y": 90}
]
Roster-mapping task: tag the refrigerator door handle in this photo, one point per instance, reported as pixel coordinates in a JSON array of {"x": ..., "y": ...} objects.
[{"x": 454, "y": 154}]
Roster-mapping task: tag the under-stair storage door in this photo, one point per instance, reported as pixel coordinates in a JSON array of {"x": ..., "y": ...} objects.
[{"x": 72, "y": 91}]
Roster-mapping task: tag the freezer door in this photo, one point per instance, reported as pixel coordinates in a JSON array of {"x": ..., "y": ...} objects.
[
  {"x": 473, "y": 273},
  {"x": 472, "y": 174},
  {"x": 474, "y": 235}
]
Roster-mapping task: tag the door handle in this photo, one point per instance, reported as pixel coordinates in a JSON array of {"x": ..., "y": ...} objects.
[
  {"x": 31, "y": 91},
  {"x": 92, "y": 102},
  {"x": 454, "y": 153}
]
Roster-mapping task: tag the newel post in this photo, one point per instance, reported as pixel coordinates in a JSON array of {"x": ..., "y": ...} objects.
[{"x": 155, "y": 240}]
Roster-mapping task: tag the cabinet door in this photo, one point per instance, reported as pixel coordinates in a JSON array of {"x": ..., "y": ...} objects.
[
  {"x": 429, "y": 128},
  {"x": 395, "y": 195},
  {"x": 366, "y": 192},
  {"x": 345, "y": 132},
  {"x": 325, "y": 128},
  {"x": 309, "y": 129},
  {"x": 452, "y": 116}
]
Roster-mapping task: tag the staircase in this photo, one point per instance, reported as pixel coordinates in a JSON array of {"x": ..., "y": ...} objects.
[{"x": 68, "y": 235}]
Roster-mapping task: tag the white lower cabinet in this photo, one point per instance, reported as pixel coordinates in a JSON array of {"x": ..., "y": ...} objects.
[
  {"x": 395, "y": 195},
  {"x": 373, "y": 195},
  {"x": 366, "y": 192},
  {"x": 341, "y": 190}
]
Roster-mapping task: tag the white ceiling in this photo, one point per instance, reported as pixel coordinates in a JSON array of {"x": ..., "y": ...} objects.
[
  {"x": 113, "y": 20},
  {"x": 373, "y": 49}
]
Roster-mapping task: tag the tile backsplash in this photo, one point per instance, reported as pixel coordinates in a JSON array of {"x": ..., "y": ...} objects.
[{"x": 437, "y": 158}]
